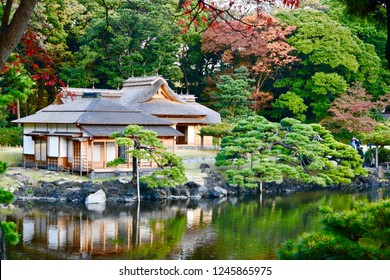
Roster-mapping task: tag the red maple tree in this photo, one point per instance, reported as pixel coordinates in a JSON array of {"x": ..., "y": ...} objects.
[
  {"x": 257, "y": 42},
  {"x": 40, "y": 64},
  {"x": 354, "y": 110}
]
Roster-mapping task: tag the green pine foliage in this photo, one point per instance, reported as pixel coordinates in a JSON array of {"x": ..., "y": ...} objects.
[
  {"x": 6, "y": 197},
  {"x": 233, "y": 95},
  {"x": 145, "y": 145},
  {"x": 361, "y": 233},
  {"x": 216, "y": 130},
  {"x": 264, "y": 151}
]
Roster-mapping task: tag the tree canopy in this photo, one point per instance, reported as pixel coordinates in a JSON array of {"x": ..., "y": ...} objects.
[
  {"x": 143, "y": 144},
  {"x": 361, "y": 233},
  {"x": 302, "y": 57},
  {"x": 264, "y": 151}
]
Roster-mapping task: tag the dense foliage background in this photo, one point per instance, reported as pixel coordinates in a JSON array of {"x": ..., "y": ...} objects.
[{"x": 280, "y": 63}]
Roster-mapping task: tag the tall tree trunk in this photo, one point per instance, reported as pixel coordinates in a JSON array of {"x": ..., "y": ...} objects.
[
  {"x": 135, "y": 171},
  {"x": 11, "y": 30}
]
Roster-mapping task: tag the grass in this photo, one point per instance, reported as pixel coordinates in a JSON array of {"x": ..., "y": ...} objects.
[{"x": 11, "y": 155}]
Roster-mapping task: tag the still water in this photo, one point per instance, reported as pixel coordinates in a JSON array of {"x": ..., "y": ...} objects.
[{"x": 230, "y": 228}]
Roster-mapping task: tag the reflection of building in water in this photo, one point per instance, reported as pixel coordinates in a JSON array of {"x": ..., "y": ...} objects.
[
  {"x": 83, "y": 236},
  {"x": 196, "y": 217}
]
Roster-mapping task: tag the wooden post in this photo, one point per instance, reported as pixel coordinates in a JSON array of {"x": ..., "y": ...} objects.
[
  {"x": 81, "y": 159},
  {"x": 376, "y": 157},
  {"x": 104, "y": 154},
  {"x": 201, "y": 142},
  {"x": 92, "y": 149},
  {"x": 174, "y": 145}
]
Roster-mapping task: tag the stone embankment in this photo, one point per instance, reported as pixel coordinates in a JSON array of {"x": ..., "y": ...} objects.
[{"x": 122, "y": 191}]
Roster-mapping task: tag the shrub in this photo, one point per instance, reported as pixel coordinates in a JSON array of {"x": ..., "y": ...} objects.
[
  {"x": 116, "y": 162},
  {"x": 6, "y": 197},
  {"x": 11, "y": 136},
  {"x": 3, "y": 167}
]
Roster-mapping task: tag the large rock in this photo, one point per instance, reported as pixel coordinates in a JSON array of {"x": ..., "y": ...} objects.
[
  {"x": 96, "y": 207},
  {"x": 217, "y": 192},
  {"x": 97, "y": 197}
]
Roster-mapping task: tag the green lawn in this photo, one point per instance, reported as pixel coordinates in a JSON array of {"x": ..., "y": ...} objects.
[{"x": 11, "y": 155}]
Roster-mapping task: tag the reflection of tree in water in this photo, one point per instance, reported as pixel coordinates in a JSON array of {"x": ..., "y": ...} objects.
[
  {"x": 166, "y": 235},
  {"x": 254, "y": 229},
  {"x": 231, "y": 228}
]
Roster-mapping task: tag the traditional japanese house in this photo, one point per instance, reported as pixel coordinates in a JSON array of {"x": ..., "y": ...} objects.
[{"x": 73, "y": 132}]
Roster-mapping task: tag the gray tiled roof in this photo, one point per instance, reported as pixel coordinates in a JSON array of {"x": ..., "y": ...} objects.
[
  {"x": 92, "y": 111},
  {"x": 102, "y": 131},
  {"x": 135, "y": 106},
  {"x": 139, "y": 93},
  {"x": 167, "y": 107}
]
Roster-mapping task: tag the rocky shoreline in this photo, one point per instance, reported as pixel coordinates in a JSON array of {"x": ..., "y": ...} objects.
[{"x": 122, "y": 191}]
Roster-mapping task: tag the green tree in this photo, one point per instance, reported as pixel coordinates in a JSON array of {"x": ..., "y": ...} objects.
[
  {"x": 125, "y": 38},
  {"x": 144, "y": 144},
  {"x": 289, "y": 104},
  {"x": 378, "y": 9},
  {"x": 233, "y": 95},
  {"x": 361, "y": 233},
  {"x": 331, "y": 59},
  {"x": 369, "y": 31},
  {"x": 15, "y": 84},
  {"x": 289, "y": 149}
]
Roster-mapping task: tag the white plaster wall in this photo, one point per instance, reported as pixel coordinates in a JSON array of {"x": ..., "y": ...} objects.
[
  {"x": 28, "y": 128},
  {"x": 53, "y": 146},
  {"x": 70, "y": 150},
  {"x": 41, "y": 127},
  {"x": 28, "y": 145},
  {"x": 61, "y": 128},
  {"x": 191, "y": 134},
  {"x": 96, "y": 152},
  {"x": 63, "y": 147},
  {"x": 111, "y": 151},
  {"x": 73, "y": 128}
]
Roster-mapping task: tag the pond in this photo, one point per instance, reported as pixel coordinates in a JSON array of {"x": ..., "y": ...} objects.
[{"x": 229, "y": 228}]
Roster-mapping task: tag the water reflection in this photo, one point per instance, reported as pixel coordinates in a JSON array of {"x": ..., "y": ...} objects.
[{"x": 222, "y": 229}]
